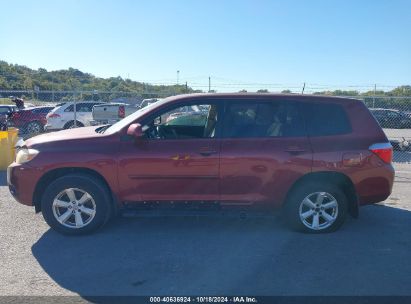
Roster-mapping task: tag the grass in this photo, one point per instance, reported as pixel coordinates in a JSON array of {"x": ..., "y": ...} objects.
[{"x": 5, "y": 101}]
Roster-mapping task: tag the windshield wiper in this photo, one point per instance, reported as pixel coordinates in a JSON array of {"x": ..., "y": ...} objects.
[{"x": 102, "y": 129}]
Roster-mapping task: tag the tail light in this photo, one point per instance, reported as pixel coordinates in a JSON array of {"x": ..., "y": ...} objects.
[
  {"x": 121, "y": 112},
  {"x": 53, "y": 115},
  {"x": 383, "y": 151}
]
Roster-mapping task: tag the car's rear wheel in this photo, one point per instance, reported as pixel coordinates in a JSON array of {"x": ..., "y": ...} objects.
[
  {"x": 316, "y": 208},
  {"x": 76, "y": 204},
  {"x": 72, "y": 125},
  {"x": 34, "y": 127}
]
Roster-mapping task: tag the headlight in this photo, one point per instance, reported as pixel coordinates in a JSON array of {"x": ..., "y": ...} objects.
[{"x": 24, "y": 155}]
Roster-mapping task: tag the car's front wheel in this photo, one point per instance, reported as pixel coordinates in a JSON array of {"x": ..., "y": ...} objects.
[
  {"x": 316, "y": 207},
  {"x": 76, "y": 204}
]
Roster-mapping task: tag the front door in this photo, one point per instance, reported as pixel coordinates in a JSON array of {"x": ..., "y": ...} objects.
[{"x": 178, "y": 160}]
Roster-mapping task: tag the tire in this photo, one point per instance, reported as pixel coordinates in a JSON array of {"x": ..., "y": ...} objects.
[
  {"x": 58, "y": 201},
  {"x": 302, "y": 215},
  {"x": 34, "y": 127},
  {"x": 70, "y": 125}
]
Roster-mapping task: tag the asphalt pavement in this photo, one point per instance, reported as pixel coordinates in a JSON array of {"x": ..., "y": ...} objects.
[{"x": 209, "y": 256}]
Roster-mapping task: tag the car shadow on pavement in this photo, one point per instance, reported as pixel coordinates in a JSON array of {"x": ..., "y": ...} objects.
[
  {"x": 218, "y": 256},
  {"x": 3, "y": 178}
]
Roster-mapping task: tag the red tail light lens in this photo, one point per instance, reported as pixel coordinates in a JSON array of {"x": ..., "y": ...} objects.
[
  {"x": 121, "y": 112},
  {"x": 383, "y": 151},
  {"x": 53, "y": 115}
]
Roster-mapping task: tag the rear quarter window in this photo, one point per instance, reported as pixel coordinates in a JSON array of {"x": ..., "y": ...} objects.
[{"x": 324, "y": 119}]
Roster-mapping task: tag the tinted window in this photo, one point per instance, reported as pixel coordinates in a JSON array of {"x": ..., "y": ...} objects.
[
  {"x": 42, "y": 110},
  {"x": 70, "y": 108},
  {"x": 326, "y": 119},
  {"x": 84, "y": 107},
  {"x": 81, "y": 107},
  {"x": 264, "y": 119}
]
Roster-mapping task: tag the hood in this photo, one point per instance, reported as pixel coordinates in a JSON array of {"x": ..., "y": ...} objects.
[{"x": 65, "y": 135}]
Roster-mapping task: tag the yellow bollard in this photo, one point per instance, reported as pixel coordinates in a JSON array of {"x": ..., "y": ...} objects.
[
  {"x": 4, "y": 150},
  {"x": 13, "y": 137},
  {"x": 8, "y": 140}
]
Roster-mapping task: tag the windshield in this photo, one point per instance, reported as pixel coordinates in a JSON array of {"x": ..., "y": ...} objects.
[{"x": 129, "y": 119}]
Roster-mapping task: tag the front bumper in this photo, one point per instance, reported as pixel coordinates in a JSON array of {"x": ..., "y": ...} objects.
[{"x": 22, "y": 180}]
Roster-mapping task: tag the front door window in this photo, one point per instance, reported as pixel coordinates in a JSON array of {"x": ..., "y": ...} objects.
[{"x": 186, "y": 122}]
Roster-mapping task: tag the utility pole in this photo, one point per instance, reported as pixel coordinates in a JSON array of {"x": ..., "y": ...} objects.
[
  {"x": 186, "y": 87},
  {"x": 52, "y": 92},
  {"x": 302, "y": 92},
  {"x": 209, "y": 84},
  {"x": 178, "y": 76},
  {"x": 373, "y": 98}
]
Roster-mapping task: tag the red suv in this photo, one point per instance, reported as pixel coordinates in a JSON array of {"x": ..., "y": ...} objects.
[
  {"x": 319, "y": 158},
  {"x": 30, "y": 120}
]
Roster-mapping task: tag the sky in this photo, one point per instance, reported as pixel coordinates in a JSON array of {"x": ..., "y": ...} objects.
[{"x": 250, "y": 44}]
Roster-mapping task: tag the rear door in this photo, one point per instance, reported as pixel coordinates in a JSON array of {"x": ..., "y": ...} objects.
[{"x": 264, "y": 150}]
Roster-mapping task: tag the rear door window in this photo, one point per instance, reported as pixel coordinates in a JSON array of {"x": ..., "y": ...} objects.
[
  {"x": 326, "y": 119},
  {"x": 262, "y": 119}
]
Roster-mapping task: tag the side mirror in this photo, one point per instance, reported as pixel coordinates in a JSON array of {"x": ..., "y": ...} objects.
[{"x": 135, "y": 130}]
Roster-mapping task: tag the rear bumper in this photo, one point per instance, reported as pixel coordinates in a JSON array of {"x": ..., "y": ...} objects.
[
  {"x": 22, "y": 180},
  {"x": 377, "y": 187}
]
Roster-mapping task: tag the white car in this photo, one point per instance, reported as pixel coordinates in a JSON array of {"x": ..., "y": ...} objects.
[{"x": 62, "y": 116}]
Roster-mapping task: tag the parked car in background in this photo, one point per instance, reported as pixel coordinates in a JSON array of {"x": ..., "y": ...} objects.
[
  {"x": 5, "y": 112},
  {"x": 30, "y": 120},
  {"x": 407, "y": 113},
  {"x": 110, "y": 113},
  {"x": 8, "y": 109},
  {"x": 391, "y": 119},
  {"x": 148, "y": 101},
  {"x": 191, "y": 115},
  {"x": 317, "y": 157},
  {"x": 62, "y": 116}
]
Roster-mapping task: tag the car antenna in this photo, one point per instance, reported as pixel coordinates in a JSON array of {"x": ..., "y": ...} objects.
[{"x": 302, "y": 92}]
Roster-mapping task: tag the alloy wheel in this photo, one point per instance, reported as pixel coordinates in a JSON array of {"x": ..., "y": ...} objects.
[
  {"x": 318, "y": 210},
  {"x": 33, "y": 127},
  {"x": 74, "y": 208}
]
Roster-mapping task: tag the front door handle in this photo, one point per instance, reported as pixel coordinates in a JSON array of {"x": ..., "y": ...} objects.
[
  {"x": 207, "y": 152},
  {"x": 295, "y": 150}
]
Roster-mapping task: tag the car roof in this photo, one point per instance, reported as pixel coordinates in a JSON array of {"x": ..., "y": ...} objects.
[
  {"x": 112, "y": 104},
  {"x": 82, "y": 101},
  {"x": 37, "y": 107},
  {"x": 299, "y": 97}
]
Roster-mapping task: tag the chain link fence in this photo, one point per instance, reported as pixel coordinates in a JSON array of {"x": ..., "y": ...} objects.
[{"x": 41, "y": 112}]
